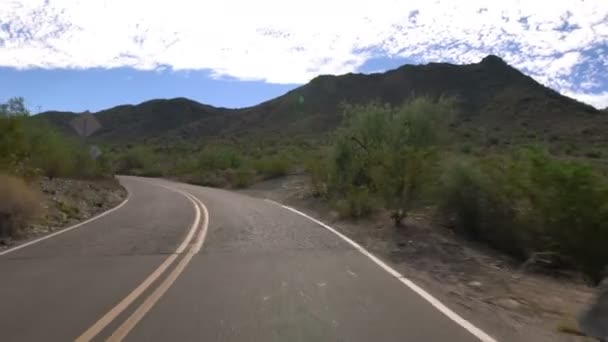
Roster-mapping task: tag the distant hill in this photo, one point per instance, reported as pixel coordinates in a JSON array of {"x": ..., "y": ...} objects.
[{"x": 491, "y": 97}]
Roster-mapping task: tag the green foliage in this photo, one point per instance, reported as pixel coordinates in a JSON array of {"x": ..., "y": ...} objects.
[
  {"x": 479, "y": 197},
  {"x": 13, "y": 143},
  {"x": 594, "y": 154},
  {"x": 530, "y": 203},
  {"x": 219, "y": 158},
  {"x": 318, "y": 168},
  {"x": 389, "y": 152},
  {"x": 13, "y": 107},
  {"x": 357, "y": 202},
  {"x": 31, "y": 148},
  {"x": 139, "y": 161},
  {"x": 53, "y": 154},
  {"x": 272, "y": 167},
  {"x": 466, "y": 148},
  {"x": 241, "y": 178}
]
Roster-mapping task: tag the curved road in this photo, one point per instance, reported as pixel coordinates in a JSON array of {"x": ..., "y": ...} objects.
[{"x": 178, "y": 262}]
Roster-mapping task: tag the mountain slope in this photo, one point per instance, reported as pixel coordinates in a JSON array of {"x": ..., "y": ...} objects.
[{"x": 490, "y": 95}]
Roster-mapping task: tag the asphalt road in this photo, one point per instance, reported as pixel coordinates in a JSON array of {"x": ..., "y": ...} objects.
[{"x": 264, "y": 273}]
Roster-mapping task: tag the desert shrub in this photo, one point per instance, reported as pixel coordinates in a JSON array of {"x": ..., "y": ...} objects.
[
  {"x": 532, "y": 203},
  {"x": 53, "y": 154},
  {"x": 19, "y": 204},
  {"x": 272, "y": 167},
  {"x": 403, "y": 180},
  {"x": 106, "y": 163},
  {"x": 30, "y": 148},
  {"x": 219, "y": 158},
  {"x": 184, "y": 165},
  {"x": 479, "y": 198},
  {"x": 206, "y": 178},
  {"x": 593, "y": 154},
  {"x": 570, "y": 202},
  {"x": 492, "y": 141},
  {"x": 318, "y": 169},
  {"x": 13, "y": 144},
  {"x": 466, "y": 148},
  {"x": 139, "y": 161},
  {"x": 357, "y": 202},
  {"x": 240, "y": 178},
  {"x": 389, "y": 152}
]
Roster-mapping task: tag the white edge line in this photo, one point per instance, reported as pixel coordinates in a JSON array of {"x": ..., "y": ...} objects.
[
  {"x": 64, "y": 230},
  {"x": 481, "y": 335}
]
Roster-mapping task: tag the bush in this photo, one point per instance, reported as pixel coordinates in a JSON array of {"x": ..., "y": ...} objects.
[
  {"x": 19, "y": 204},
  {"x": 30, "y": 147},
  {"x": 139, "y": 161},
  {"x": 356, "y": 203},
  {"x": 219, "y": 158},
  {"x": 479, "y": 198},
  {"x": 272, "y": 167},
  {"x": 240, "y": 178},
  {"x": 593, "y": 154},
  {"x": 388, "y": 153},
  {"x": 319, "y": 171},
  {"x": 13, "y": 144},
  {"x": 53, "y": 155},
  {"x": 206, "y": 178},
  {"x": 530, "y": 203},
  {"x": 466, "y": 148}
]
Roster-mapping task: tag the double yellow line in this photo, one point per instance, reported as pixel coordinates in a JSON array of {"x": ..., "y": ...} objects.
[{"x": 191, "y": 244}]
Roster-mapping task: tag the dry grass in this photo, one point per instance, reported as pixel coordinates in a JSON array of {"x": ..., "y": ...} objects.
[
  {"x": 19, "y": 205},
  {"x": 568, "y": 325}
]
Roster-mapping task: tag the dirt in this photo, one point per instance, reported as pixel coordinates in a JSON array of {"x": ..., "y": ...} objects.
[
  {"x": 66, "y": 202},
  {"x": 508, "y": 301}
]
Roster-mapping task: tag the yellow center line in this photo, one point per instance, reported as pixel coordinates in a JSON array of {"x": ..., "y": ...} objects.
[
  {"x": 104, "y": 321},
  {"x": 147, "y": 305}
]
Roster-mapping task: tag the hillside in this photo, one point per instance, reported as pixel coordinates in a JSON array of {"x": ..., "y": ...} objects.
[{"x": 491, "y": 96}]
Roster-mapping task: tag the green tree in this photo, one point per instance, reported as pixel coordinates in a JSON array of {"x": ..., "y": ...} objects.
[
  {"x": 15, "y": 106},
  {"x": 390, "y": 151}
]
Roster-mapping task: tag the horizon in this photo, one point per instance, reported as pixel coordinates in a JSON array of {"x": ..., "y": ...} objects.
[
  {"x": 61, "y": 54},
  {"x": 288, "y": 89}
]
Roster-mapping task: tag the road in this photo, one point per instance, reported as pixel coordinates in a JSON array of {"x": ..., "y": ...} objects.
[{"x": 178, "y": 262}]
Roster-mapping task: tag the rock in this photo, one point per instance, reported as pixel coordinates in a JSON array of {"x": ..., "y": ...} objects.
[
  {"x": 509, "y": 303},
  {"x": 475, "y": 284},
  {"x": 594, "y": 320}
]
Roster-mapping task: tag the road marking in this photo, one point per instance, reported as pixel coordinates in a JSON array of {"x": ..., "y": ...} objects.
[
  {"x": 96, "y": 328},
  {"x": 481, "y": 335},
  {"x": 147, "y": 305},
  {"x": 203, "y": 233},
  {"x": 65, "y": 230}
]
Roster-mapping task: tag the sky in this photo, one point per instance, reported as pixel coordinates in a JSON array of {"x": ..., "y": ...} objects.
[{"x": 82, "y": 55}]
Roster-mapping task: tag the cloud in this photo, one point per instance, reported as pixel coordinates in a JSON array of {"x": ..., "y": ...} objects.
[
  {"x": 599, "y": 100},
  {"x": 564, "y": 44}
]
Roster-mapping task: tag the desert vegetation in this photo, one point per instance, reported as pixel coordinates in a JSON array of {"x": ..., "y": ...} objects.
[
  {"x": 219, "y": 164},
  {"x": 30, "y": 149},
  {"x": 522, "y": 201}
]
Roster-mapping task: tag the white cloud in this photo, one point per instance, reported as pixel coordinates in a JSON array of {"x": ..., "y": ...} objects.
[
  {"x": 290, "y": 42},
  {"x": 597, "y": 100}
]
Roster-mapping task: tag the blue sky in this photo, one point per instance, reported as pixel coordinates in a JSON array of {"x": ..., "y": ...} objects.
[
  {"x": 89, "y": 55},
  {"x": 95, "y": 89}
]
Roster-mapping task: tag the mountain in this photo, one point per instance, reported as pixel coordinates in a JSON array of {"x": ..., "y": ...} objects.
[{"x": 490, "y": 96}]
